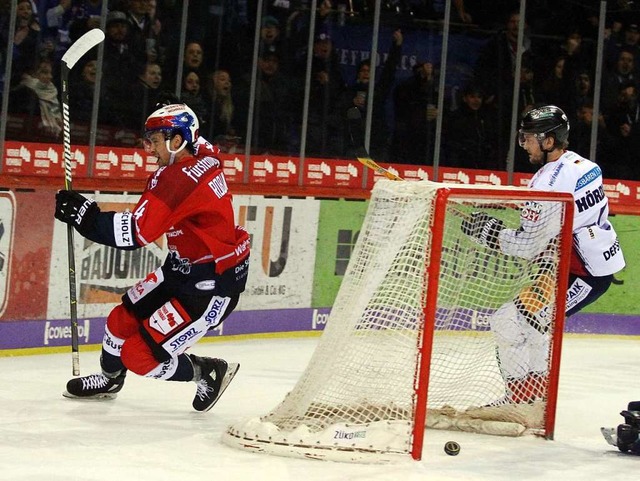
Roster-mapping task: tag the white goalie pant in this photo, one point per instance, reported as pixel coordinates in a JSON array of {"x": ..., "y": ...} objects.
[{"x": 522, "y": 349}]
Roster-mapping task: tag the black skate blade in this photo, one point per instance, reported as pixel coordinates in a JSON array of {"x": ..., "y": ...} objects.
[
  {"x": 96, "y": 397},
  {"x": 232, "y": 370}
]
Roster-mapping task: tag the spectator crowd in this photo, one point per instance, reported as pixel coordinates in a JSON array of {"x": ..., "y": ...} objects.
[{"x": 234, "y": 99}]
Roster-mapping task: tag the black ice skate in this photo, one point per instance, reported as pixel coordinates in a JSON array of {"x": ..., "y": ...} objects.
[
  {"x": 95, "y": 386},
  {"x": 212, "y": 378}
]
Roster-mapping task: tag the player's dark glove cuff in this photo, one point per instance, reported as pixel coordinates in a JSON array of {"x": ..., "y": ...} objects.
[
  {"x": 483, "y": 228},
  {"x": 75, "y": 209}
]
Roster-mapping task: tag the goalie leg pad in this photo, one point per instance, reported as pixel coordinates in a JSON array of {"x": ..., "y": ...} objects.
[
  {"x": 522, "y": 349},
  {"x": 537, "y": 345},
  {"x": 509, "y": 334},
  {"x": 506, "y": 326}
]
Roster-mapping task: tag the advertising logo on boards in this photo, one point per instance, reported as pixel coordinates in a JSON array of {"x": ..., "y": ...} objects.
[{"x": 7, "y": 227}]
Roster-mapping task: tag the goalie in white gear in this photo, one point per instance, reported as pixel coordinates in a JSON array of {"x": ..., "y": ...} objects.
[{"x": 520, "y": 326}]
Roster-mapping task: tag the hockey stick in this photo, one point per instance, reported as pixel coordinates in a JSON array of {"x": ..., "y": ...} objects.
[
  {"x": 354, "y": 115},
  {"x": 69, "y": 59},
  {"x": 364, "y": 159}
]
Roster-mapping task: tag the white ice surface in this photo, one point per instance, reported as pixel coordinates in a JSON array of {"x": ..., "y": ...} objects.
[{"x": 151, "y": 433}]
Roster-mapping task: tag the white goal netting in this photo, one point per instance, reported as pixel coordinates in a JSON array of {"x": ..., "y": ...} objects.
[{"x": 394, "y": 325}]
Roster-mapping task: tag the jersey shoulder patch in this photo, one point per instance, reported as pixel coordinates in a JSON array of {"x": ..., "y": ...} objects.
[{"x": 590, "y": 176}]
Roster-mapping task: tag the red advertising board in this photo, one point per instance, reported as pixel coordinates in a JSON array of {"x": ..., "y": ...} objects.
[
  {"x": 469, "y": 176},
  {"x": 28, "y": 158},
  {"x": 123, "y": 163},
  {"x": 46, "y": 160},
  {"x": 273, "y": 169},
  {"x": 233, "y": 167},
  {"x": 333, "y": 173},
  {"x": 622, "y": 192}
]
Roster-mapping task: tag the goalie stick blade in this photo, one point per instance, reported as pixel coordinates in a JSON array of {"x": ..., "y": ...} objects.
[
  {"x": 82, "y": 46},
  {"x": 610, "y": 436}
]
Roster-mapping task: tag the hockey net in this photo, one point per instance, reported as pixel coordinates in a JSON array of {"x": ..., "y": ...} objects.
[{"x": 409, "y": 341}]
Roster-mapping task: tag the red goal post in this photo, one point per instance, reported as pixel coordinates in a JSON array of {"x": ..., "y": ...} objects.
[{"x": 432, "y": 327}]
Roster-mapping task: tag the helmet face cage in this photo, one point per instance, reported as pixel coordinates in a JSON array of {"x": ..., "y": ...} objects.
[{"x": 171, "y": 120}]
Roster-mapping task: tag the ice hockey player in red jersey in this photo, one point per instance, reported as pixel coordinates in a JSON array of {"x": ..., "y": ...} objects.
[{"x": 187, "y": 200}]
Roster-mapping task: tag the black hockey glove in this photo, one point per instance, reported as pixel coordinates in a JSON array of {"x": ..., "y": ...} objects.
[
  {"x": 629, "y": 432},
  {"x": 76, "y": 210},
  {"x": 483, "y": 228}
]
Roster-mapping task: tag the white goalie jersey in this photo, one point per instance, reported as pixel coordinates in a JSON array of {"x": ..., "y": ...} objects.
[{"x": 596, "y": 247}]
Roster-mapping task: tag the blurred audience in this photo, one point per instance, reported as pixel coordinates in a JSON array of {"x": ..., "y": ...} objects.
[
  {"x": 624, "y": 71},
  {"x": 628, "y": 39},
  {"x": 140, "y": 57},
  {"x": 577, "y": 56},
  {"x": 581, "y": 94},
  {"x": 528, "y": 94},
  {"x": 495, "y": 73},
  {"x": 193, "y": 61},
  {"x": 143, "y": 32},
  {"x": 67, "y": 20},
  {"x": 580, "y": 140},
  {"x": 415, "y": 106},
  {"x": 222, "y": 129},
  {"x": 83, "y": 83},
  {"x": 143, "y": 96},
  {"x": 193, "y": 57},
  {"x": 273, "y": 107},
  {"x": 325, "y": 125},
  {"x": 37, "y": 98},
  {"x": 193, "y": 96},
  {"x": 119, "y": 64},
  {"x": 623, "y": 124},
  {"x": 468, "y": 133},
  {"x": 356, "y": 104},
  {"x": 553, "y": 83},
  {"x": 25, "y": 41}
]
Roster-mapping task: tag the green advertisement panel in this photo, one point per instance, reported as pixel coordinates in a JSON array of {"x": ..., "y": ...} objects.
[
  {"x": 624, "y": 295},
  {"x": 339, "y": 226}
]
